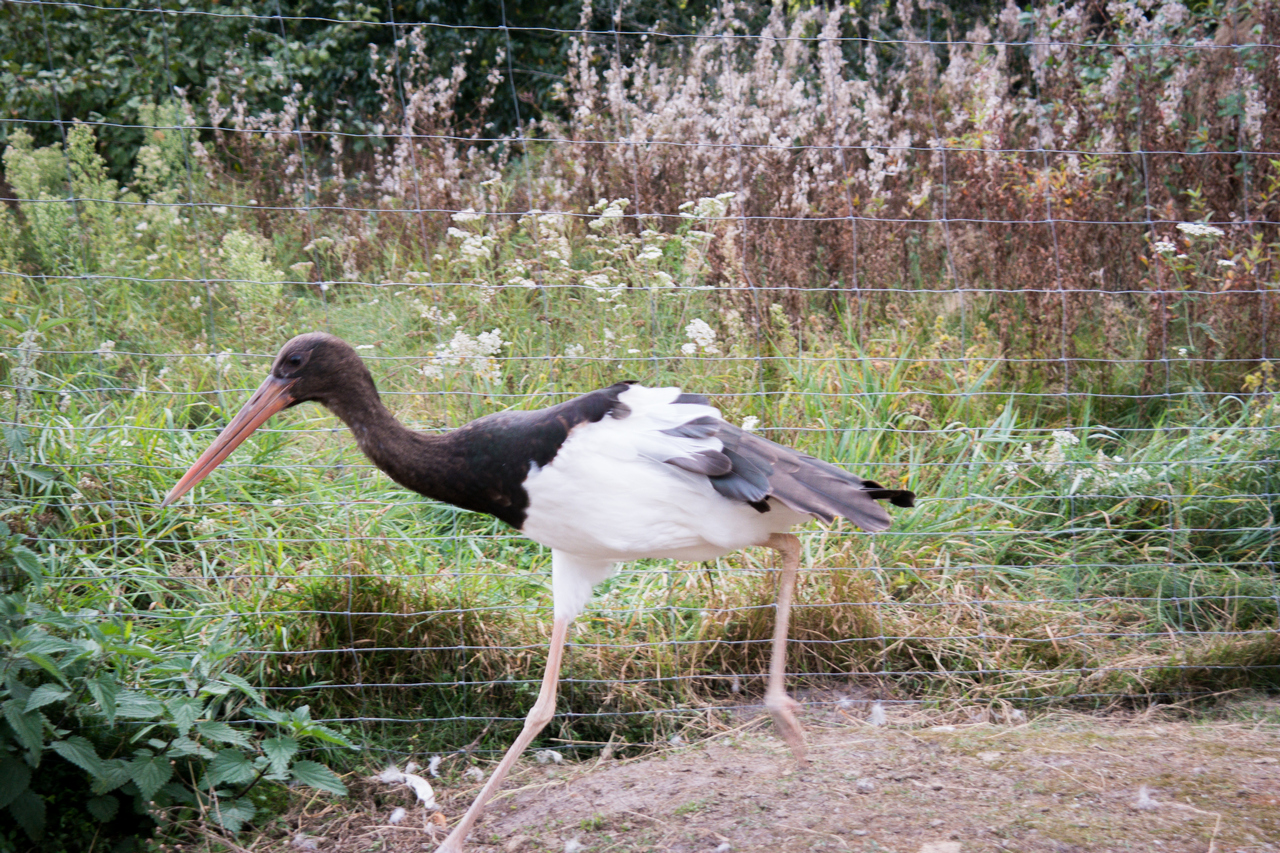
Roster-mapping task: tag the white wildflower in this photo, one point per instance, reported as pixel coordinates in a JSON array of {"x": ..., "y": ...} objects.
[
  {"x": 467, "y": 215},
  {"x": 650, "y": 253},
  {"x": 596, "y": 281},
  {"x": 475, "y": 247},
  {"x": 1163, "y": 247},
  {"x": 1226, "y": 262},
  {"x": 1053, "y": 458},
  {"x": 612, "y": 211},
  {"x": 918, "y": 198},
  {"x": 1200, "y": 229},
  {"x": 574, "y": 351},
  {"x": 707, "y": 208},
  {"x": 465, "y": 351},
  {"x": 222, "y": 362},
  {"x": 196, "y": 302},
  {"x": 556, "y": 248},
  {"x": 219, "y": 209},
  {"x": 1182, "y": 352},
  {"x": 750, "y": 422},
  {"x": 433, "y": 315},
  {"x": 106, "y": 349},
  {"x": 701, "y": 336},
  {"x": 1063, "y": 438},
  {"x": 206, "y": 526}
]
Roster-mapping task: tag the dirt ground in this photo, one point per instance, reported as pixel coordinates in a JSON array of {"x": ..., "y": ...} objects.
[{"x": 1059, "y": 783}]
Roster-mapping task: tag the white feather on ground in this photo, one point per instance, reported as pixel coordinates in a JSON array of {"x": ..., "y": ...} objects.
[{"x": 421, "y": 787}]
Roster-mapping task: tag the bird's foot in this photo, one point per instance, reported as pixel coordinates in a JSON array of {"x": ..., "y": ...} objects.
[
  {"x": 783, "y": 708},
  {"x": 452, "y": 844}
]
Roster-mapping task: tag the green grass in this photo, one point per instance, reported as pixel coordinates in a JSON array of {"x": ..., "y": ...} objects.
[{"x": 1137, "y": 562}]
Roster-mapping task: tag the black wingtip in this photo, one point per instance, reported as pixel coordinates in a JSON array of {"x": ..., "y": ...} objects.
[{"x": 897, "y": 497}]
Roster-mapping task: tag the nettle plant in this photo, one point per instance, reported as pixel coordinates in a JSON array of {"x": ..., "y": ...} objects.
[{"x": 110, "y": 732}]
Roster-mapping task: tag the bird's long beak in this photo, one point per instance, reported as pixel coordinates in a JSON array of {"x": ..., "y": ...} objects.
[{"x": 271, "y": 396}]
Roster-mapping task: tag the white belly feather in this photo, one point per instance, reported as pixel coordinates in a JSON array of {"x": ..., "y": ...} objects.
[{"x": 608, "y": 495}]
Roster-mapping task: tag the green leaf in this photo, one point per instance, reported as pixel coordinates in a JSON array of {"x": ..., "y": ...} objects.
[
  {"x": 317, "y": 775},
  {"x": 40, "y": 475},
  {"x": 29, "y": 563},
  {"x": 280, "y": 751},
  {"x": 138, "y": 706},
  {"x": 115, "y": 772},
  {"x": 222, "y": 733},
  {"x": 46, "y": 694},
  {"x": 328, "y": 735},
  {"x": 230, "y": 767},
  {"x": 245, "y": 687},
  {"x": 79, "y": 752},
  {"x": 46, "y": 663},
  {"x": 104, "y": 808},
  {"x": 149, "y": 772},
  {"x": 15, "y": 438},
  {"x": 184, "y": 746},
  {"x": 185, "y": 710},
  {"x": 15, "y": 775},
  {"x": 28, "y": 810},
  {"x": 104, "y": 691},
  {"x": 28, "y": 726},
  {"x": 232, "y": 815}
]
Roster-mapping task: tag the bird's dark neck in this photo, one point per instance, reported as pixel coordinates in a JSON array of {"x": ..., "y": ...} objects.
[
  {"x": 481, "y": 466},
  {"x": 457, "y": 467}
]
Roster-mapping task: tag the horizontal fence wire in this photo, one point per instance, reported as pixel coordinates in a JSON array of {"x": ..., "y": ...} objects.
[{"x": 1015, "y": 266}]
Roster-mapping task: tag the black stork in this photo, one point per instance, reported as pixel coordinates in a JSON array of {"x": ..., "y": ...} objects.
[{"x": 619, "y": 474}]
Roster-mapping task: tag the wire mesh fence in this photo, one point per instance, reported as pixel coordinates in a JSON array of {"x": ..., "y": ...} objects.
[{"x": 1024, "y": 266}]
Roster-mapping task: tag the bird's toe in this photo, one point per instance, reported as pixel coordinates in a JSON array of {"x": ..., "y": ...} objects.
[{"x": 783, "y": 709}]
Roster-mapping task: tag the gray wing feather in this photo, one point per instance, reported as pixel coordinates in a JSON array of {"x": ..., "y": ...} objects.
[
  {"x": 709, "y": 462},
  {"x": 759, "y": 469}
]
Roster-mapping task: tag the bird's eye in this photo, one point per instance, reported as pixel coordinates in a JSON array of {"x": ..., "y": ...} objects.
[{"x": 295, "y": 360}]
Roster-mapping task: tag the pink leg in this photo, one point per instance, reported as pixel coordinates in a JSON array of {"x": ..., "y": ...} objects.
[
  {"x": 539, "y": 715},
  {"x": 780, "y": 705}
]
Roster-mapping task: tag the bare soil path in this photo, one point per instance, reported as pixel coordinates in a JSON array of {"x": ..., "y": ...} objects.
[{"x": 1059, "y": 783}]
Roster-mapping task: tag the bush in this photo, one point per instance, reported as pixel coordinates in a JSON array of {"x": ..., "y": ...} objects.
[{"x": 112, "y": 731}]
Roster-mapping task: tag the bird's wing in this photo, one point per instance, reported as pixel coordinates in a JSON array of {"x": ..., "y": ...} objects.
[
  {"x": 684, "y": 430},
  {"x": 804, "y": 483}
]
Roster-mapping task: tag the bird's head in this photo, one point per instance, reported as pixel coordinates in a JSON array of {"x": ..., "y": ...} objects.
[{"x": 315, "y": 366}]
